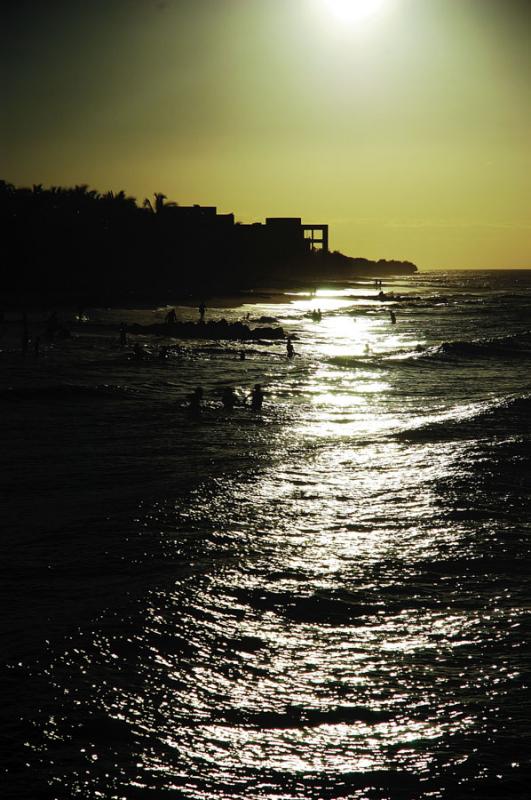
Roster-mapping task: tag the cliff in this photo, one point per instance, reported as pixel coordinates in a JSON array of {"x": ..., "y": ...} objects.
[{"x": 339, "y": 263}]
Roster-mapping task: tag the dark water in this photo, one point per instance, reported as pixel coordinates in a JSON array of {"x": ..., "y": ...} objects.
[{"x": 326, "y": 600}]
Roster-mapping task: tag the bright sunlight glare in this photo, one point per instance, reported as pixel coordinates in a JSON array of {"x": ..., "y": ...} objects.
[{"x": 352, "y": 11}]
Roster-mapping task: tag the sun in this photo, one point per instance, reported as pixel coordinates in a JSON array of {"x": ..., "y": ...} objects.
[{"x": 353, "y": 11}]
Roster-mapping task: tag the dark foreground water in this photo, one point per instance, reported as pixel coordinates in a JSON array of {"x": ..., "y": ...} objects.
[{"x": 326, "y": 600}]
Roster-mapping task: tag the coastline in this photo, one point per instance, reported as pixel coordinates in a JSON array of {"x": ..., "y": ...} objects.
[{"x": 215, "y": 298}]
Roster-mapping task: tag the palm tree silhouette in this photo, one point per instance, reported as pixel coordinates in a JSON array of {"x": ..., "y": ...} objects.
[{"x": 159, "y": 206}]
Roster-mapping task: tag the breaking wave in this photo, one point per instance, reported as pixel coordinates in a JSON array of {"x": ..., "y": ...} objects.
[
  {"x": 510, "y": 347},
  {"x": 515, "y": 346},
  {"x": 511, "y": 416}
]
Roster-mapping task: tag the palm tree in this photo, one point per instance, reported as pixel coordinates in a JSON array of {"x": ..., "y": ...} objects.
[
  {"x": 120, "y": 199},
  {"x": 7, "y": 188},
  {"x": 159, "y": 206}
]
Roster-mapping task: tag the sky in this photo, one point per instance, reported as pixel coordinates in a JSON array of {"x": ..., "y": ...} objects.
[{"x": 403, "y": 124}]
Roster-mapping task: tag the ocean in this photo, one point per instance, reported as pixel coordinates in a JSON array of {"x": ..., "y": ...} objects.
[{"x": 325, "y": 599}]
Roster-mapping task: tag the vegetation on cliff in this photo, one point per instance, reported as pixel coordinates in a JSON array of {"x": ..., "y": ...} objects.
[{"x": 102, "y": 248}]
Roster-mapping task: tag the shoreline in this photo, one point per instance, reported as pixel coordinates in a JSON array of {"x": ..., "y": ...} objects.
[{"x": 274, "y": 295}]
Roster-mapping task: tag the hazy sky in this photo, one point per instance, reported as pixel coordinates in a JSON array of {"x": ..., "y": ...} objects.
[{"x": 407, "y": 131}]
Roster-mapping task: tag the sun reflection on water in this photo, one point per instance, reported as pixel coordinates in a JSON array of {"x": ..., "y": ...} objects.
[{"x": 322, "y": 600}]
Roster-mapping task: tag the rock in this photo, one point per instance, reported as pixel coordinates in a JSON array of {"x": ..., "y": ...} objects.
[{"x": 220, "y": 329}]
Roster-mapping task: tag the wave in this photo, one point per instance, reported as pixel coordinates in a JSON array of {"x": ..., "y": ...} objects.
[
  {"x": 354, "y": 361},
  {"x": 312, "y": 608},
  {"x": 517, "y": 346},
  {"x": 514, "y": 346},
  {"x": 301, "y": 717},
  {"x": 435, "y": 301},
  {"x": 510, "y": 416}
]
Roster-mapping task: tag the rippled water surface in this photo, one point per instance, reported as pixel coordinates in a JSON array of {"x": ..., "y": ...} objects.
[{"x": 328, "y": 599}]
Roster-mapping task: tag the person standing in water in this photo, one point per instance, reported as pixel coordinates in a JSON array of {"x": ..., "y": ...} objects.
[
  {"x": 171, "y": 317},
  {"x": 228, "y": 398},
  {"x": 194, "y": 403},
  {"x": 138, "y": 351},
  {"x": 257, "y": 397},
  {"x": 202, "y": 309},
  {"x": 25, "y": 333},
  {"x": 290, "y": 350},
  {"x": 393, "y": 317}
]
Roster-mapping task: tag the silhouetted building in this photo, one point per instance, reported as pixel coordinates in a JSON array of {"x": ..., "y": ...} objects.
[
  {"x": 284, "y": 237},
  {"x": 278, "y": 240},
  {"x": 199, "y": 216},
  {"x": 289, "y": 236}
]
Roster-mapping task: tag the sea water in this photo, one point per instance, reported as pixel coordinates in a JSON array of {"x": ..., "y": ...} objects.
[{"x": 327, "y": 599}]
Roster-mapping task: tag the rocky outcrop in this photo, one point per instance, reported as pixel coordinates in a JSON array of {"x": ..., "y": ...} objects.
[
  {"x": 366, "y": 267},
  {"x": 213, "y": 329}
]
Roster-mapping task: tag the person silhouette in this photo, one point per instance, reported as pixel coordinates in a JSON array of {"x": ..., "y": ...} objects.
[
  {"x": 171, "y": 317},
  {"x": 201, "y": 309},
  {"x": 228, "y": 398},
  {"x": 257, "y": 397},
  {"x": 194, "y": 403},
  {"x": 290, "y": 350}
]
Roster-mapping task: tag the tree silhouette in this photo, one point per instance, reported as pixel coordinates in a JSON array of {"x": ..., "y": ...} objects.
[{"x": 159, "y": 206}]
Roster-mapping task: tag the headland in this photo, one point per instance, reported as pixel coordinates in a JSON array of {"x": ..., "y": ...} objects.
[{"x": 79, "y": 247}]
